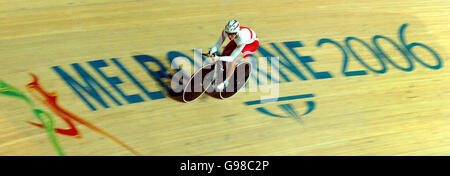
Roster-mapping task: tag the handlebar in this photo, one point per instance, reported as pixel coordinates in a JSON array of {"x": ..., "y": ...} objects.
[{"x": 207, "y": 55}]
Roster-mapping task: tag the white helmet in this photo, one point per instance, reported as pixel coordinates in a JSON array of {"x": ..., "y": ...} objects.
[{"x": 232, "y": 26}]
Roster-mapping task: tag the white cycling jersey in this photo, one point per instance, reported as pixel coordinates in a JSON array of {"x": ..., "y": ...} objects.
[{"x": 243, "y": 37}]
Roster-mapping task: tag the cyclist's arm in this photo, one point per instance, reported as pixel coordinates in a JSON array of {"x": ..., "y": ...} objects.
[{"x": 219, "y": 42}]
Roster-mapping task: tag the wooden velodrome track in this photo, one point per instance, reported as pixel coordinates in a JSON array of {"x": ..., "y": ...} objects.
[{"x": 355, "y": 109}]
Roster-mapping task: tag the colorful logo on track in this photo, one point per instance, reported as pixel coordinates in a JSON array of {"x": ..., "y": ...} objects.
[{"x": 46, "y": 119}]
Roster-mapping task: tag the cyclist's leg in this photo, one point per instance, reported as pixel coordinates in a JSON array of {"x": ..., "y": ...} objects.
[
  {"x": 247, "y": 51},
  {"x": 229, "y": 48},
  {"x": 226, "y": 52}
]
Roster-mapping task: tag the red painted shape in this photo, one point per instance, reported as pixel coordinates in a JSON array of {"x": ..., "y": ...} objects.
[{"x": 50, "y": 101}]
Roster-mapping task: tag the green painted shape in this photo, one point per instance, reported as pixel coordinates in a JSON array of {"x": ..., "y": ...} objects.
[{"x": 44, "y": 117}]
